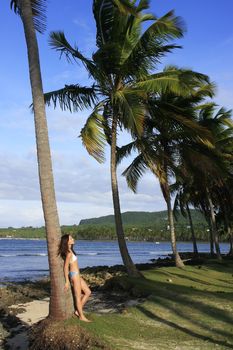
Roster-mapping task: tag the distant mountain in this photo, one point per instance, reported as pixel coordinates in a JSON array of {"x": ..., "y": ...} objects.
[{"x": 142, "y": 218}]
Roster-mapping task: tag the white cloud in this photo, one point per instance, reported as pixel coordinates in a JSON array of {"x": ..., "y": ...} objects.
[
  {"x": 83, "y": 190},
  {"x": 17, "y": 213}
]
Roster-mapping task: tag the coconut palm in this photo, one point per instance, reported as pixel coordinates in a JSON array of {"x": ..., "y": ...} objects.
[
  {"x": 121, "y": 69},
  {"x": 170, "y": 121},
  {"x": 209, "y": 167},
  {"x": 181, "y": 202},
  {"x": 32, "y": 13}
]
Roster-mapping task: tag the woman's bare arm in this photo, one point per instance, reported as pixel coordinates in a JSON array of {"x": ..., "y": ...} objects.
[{"x": 66, "y": 270}]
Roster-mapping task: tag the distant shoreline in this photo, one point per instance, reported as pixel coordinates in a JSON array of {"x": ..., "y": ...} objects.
[{"x": 103, "y": 240}]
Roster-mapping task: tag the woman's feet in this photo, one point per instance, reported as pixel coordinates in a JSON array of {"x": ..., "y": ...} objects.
[{"x": 82, "y": 318}]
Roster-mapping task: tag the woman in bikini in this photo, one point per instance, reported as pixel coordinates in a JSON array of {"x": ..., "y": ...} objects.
[{"x": 72, "y": 275}]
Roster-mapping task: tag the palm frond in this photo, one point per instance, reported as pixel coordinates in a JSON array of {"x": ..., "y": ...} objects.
[
  {"x": 103, "y": 11},
  {"x": 181, "y": 82},
  {"x": 132, "y": 111},
  {"x": 125, "y": 151},
  {"x": 58, "y": 42},
  {"x": 190, "y": 125},
  {"x": 72, "y": 97},
  {"x": 134, "y": 172},
  {"x": 126, "y": 7},
  {"x": 38, "y": 12},
  {"x": 165, "y": 28},
  {"x": 107, "y": 122},
  {"x": 93, "y": 136},
  {"x": 107, "y": 14},
  {"x": 143, "y": 5},
  {"x": 150, "y": 46}
]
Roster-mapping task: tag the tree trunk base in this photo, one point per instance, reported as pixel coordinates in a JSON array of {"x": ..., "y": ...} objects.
[
  {"x": 179, "y": 263},
  {"x": 135, "y": 273},
  {"x": 50, "y": 334},
  {"x": 219, "y": 257}
]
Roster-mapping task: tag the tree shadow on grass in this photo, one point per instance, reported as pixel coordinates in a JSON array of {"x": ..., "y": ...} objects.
[
  {"x": 200, "y": 281},
  {"x": 182, "y": 329},
  {"x": 228, "y": 282},
  {"x": 219, "y": 265},
  {"x": 184, "y": 301},
  {"x": 175, "y": 287},
  {"x": 168, "y": 304},
  {"x": 186, "y": 295}
]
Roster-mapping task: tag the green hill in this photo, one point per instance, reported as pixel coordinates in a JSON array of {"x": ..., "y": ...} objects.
[
  {"x": 144, "y": 218},
  {"x": 148, "y": 226}
]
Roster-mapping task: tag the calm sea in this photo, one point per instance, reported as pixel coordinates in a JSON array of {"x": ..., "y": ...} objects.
[{"x": 23, "y": 259}]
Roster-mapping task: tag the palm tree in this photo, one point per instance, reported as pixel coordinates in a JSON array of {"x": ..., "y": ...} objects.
[
  {"x": 121, "y": 70},
  {"x": 182, "y": 200},
  {"x": 210, "y": 166},
  {"x": 32, "y": 13},
  {"x": 170, "y": 121}
]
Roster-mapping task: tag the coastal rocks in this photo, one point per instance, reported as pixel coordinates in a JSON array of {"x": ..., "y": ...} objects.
[
  {"x": 97, "y": 279},
  {"x": 125, "y": 287}
]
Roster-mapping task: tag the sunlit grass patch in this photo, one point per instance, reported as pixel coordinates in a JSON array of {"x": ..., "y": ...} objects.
[{"x": 188, "y": 308}]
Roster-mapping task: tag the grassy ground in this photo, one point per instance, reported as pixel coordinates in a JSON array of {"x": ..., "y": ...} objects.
[{"x": 187, "y": 309}]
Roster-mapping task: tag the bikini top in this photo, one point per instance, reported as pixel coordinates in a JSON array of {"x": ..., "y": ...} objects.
[{"x": 73, "y": 258}]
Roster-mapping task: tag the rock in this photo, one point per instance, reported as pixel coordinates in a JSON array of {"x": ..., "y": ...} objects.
[
  {"x": 138, "y": 293},
  {"x": 132, "y": 302}
]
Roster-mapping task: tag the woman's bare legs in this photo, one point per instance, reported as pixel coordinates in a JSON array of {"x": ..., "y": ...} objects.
[
  {"x": 86, "y": 290},
  {"x": 76, "y": 282}
]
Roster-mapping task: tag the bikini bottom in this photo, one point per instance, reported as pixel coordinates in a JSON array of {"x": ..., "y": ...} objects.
[{"x": 73, "y": 273}]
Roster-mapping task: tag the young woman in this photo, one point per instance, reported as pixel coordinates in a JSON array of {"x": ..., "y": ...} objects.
[{"x": 72, "y": 275}]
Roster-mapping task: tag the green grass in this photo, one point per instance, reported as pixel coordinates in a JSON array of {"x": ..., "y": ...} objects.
[{"x": 189, "y": 309}]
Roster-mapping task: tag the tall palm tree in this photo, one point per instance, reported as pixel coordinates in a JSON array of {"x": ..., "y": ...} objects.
[
  {"x": 170, "y": 121},
  {"x": 210, "y": 166},
  {"x": 182, "y": 201},
  {"x": 121, "y": 70},
  {"x": 32, "y": 13}
]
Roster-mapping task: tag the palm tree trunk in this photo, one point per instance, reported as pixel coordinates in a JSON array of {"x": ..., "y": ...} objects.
[
  {"x": 167, "y": 196},
  {"x": 228, "y": 228},
  {"x": 130, "y": 267},
  {"x": 230, "y": 240},
  {"x": 195, "y": 250},
  {"x": 60, "y": 305},
  {"x": 211, "y": 236},
  {"x": 213, "y": 226}
]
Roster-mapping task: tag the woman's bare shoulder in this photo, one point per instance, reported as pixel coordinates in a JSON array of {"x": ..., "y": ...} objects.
[{"x": 68, "y": 256}]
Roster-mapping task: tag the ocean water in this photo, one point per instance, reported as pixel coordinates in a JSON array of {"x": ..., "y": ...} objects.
[{"x": 24, "y": 259}]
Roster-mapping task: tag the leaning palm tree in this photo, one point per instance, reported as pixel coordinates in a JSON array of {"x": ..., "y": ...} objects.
[
  {"x": 170, "y": 121},
  {"x": 210, "y": 166},
  {"x": 32, "y": 13},
  {"x": 121, "y": 69}
]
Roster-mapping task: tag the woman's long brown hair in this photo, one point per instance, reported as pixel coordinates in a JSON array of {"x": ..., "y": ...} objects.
[{"x": 63, "y": 246}]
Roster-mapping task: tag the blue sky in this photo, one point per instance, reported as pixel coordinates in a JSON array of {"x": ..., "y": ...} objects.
[{"x": 82, "y": 185}]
